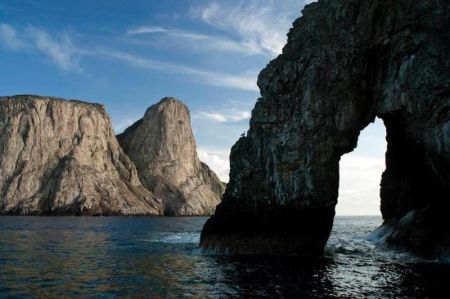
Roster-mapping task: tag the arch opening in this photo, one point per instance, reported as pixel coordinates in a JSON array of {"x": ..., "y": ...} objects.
[{"x": 360, "y": 173}]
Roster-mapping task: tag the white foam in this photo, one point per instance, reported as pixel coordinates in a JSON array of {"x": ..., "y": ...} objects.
[{"x": 175, "y": 238}]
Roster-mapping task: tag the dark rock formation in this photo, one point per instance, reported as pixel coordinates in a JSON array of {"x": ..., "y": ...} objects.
[
  {"x": 61, "y": 157},
  {"x": 163, "y": 148},
  {"x": 345, "y": 63}
]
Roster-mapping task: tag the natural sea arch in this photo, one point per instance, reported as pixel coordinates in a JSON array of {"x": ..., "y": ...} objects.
[{"x": 345, "y": 63}]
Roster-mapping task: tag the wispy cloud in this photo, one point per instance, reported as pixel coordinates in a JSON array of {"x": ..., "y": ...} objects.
[
  {"x": 223, "y": 117},
  {"x": 60, "y": 50},
  {"x": 260, "y": 25},
  {"x": 146, "y": 29},
  {"x": 9, "y": 37},
  {"x": 245, "y": 81},
  {"x": 197, "y": 40}
]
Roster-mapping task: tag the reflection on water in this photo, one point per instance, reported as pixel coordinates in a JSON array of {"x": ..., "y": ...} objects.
[{"x": 157, "y": 257}]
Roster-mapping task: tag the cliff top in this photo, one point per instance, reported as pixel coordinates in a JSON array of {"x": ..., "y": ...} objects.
[
  {"x": 27, "y": 97},
  {"x": 168, "y": 100}
]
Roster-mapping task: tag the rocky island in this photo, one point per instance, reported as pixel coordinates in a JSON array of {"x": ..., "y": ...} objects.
[
  {"x": 60, "y": 157},
  {"x": 345, "y": 63},
  {"x": 170, "y": 166}
]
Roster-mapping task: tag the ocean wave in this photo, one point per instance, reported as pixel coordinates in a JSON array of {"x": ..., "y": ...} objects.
[{"x": 175, "y": 238}]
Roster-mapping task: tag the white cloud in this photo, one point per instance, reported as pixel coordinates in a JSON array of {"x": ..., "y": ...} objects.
[
  {"x": 227, "y": 116},
  {"x": 359, "y": 190},
  {"x": 245, "y": 81},
  {"x": 9, "y": 37},
  {"x": 360, "y": 174},
  {"x": 213, "y": 116},
  {"x": 261, "y": 25},
  {"x": 60, "y": 50},
  {"x": 217, "y": 160},
  {"x": 197, "y": 40},
  {"x": 146, "y": 29}
]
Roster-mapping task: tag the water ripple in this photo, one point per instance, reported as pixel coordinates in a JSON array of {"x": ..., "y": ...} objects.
[{"x": 109, "y": 257}]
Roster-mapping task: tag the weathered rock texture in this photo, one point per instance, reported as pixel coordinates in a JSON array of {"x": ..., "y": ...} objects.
[
  {"x": 163, "y": 148},
  {"x": 62, "y": 157},
  {"x": 345, "y": 63}
]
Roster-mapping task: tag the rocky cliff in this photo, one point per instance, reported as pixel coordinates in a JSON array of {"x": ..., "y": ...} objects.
[
  {"x": 61, "y": 157},
  {"x": 163, "y": 148},
  {"x": 345, "y": 63}
]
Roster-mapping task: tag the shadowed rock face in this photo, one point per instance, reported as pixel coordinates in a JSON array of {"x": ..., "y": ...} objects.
[
  {"x": 345, "y": 63},
  {"x": 62, "y": 157},
  {"x": 163, "y": 148}
]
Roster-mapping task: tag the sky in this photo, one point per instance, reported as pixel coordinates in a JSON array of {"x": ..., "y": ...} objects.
[{"x": 128, "y": 55}]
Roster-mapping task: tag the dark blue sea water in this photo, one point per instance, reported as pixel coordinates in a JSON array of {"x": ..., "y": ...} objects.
[{"x": 112, "y": 257}]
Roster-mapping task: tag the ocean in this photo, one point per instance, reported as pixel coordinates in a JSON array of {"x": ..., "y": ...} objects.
[{"x": 156, "y": 257}]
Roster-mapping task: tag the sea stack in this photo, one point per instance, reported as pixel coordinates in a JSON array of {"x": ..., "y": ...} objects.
[
  {"x": 345, "y": 63},
  {"x": 60, "y": 157},
  {"x": 163, "y": 148}
]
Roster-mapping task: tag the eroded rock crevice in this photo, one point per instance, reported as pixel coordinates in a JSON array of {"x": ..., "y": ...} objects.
[{"x": 414, "y": 202}]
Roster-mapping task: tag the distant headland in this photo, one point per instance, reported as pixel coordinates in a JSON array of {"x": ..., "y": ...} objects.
[{"x": 61, "y": 157}]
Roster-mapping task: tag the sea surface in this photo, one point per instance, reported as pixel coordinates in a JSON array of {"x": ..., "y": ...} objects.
[{"x": 143, "y": 257}]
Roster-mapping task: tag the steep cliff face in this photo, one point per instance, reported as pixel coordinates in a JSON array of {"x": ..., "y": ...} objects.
[
  {"x": 345, "y": 63},
  {"x": 163, "y": 148},
  {"x": 62, "y": 157}
]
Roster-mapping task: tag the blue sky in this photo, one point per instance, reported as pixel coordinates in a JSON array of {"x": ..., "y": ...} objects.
[{"x": 129, "y": 54}]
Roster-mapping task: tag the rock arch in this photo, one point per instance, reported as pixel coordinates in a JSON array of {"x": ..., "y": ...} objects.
[{"x": 345, "y": 63}]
